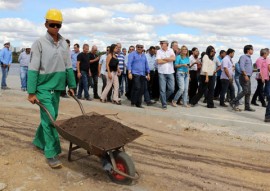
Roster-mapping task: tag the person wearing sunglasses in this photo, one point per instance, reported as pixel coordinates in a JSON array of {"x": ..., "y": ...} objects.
[
  {"x": 49, "y": 69},
  {"x": 138, "y": 69}
]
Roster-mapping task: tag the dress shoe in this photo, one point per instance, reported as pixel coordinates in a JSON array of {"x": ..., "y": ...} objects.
[
  {"x": 250, "y": 109},
  {"x": 117, "y": 102},
  {"x": 267, "y": 119},
  {"x": 150, "y": 103},
  {"x": 223, "y": 105},
  {"x": 89, "y": 99},
  {"x": 211, "y": 107},
  {"x": 254, "y": 103}
]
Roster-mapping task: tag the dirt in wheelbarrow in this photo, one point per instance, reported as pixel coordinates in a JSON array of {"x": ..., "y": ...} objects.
[{"x": 100, "y": 131}]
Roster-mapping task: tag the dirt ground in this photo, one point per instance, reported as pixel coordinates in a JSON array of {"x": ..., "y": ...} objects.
[{"x": 167, "y": 157}]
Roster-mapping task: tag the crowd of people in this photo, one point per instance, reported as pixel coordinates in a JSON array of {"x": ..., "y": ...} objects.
[{"x": 173, "y": 75}]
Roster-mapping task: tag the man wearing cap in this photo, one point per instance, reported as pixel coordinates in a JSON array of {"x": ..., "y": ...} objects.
[
  {"x": 5, "y": 60},
  {"x": 165, "y": 57},
  {"x": 24, "y": 60},
  {"x": 49, "y": 69}
]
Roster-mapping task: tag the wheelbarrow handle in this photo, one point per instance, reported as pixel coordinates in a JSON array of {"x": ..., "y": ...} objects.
[
  {"x": 47, "y": 112},
  {"x": 78, "y": 101}
]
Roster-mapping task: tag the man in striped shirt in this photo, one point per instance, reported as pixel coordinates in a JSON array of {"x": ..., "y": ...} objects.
[{"x": 122, "y": 67}]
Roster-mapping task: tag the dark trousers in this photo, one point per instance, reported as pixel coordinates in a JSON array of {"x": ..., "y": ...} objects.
[
  {"x": 128, "y": 93},
  {"x": 259, "y": 92},
  {"x": 155, "y": 86},
  {"x": 218, "y": 87},
  {"x": 137, "y": 89},
  {"x": 226, "y": 84},
  {"x": 267, "y": 88},
  {"x": 77, "y": 81},
  {"x": 95, "y": 80},
  {"x": 193, "y": 84},
  {"x": 203, "y": 87},
  {"x": 246, "y": 91},
  {"x": 150, "y": 83}
]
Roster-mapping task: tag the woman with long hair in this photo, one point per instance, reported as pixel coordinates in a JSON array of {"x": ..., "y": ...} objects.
[
  {"x": 182, "y": 76},
  {"x": 193, "y": 71},
  {"x": 113, "y": 72},
  {"x": 207, "y": 72}
]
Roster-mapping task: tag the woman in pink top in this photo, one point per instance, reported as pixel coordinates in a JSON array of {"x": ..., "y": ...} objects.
[{"x": 262, "y": 76}]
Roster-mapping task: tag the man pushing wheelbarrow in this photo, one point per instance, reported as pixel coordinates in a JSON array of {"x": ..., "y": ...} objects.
[{"x": 49, "y": 69}]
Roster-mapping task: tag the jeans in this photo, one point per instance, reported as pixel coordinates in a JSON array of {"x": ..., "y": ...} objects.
[
  {"x": 137, "y": 89},
  {"x": 83, "y": 85},
  {"x": 246, "y": 92},
  {"x": 122, "y": 83},
  {"x": 209, "y": 87},
  {"x": 239, "y": 88},
  {"x": 267, "y": 88},
  {"x": 182, "y": 80},
  {"x": 23, "y": 75},
  {"x": 4, "y": 76},
  {"x": 259, "y": 92},
  {"x": 165, "y": 81},
  {"x": 226, "y": 84}
]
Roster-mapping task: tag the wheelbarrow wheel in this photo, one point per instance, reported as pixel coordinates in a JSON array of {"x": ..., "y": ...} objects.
[{"x": 124, "y": 164}]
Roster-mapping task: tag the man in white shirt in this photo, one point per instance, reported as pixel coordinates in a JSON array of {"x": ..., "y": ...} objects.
[
  {"x": 226, "y": 77},
  {"x": 165, "y": 57},
  {"x": 102, "y": 72},
  {"x": 24, "y": 60}
]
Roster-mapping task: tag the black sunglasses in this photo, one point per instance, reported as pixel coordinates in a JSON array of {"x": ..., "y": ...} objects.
[
  {"x": 139, "y": 46},
  {"x": 53, "y": 25}
]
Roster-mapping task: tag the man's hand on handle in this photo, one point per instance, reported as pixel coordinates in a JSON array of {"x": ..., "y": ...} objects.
[{"x": 33, "y": 98}]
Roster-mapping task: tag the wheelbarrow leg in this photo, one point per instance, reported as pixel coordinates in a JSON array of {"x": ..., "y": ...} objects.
[{"x": 69, "y": 151}]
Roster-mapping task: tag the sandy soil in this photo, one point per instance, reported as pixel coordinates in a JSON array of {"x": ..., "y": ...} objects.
[{"x": 167, "y": 157}]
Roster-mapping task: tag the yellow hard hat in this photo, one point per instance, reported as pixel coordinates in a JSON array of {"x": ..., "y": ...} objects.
[{"x": 54, "y": 15}]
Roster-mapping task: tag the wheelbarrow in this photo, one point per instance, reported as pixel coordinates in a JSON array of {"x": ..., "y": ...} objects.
[{"x": 122, "y": 169}]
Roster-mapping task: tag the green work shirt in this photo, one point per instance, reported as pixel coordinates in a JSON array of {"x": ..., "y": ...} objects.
[{"x": 50, "y": 65}]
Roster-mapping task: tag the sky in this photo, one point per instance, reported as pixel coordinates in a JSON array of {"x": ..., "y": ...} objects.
[{"x": 195, "y": 23}]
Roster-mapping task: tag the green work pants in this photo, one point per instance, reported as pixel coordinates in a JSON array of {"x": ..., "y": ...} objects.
[{"x": 47, "y": 137}]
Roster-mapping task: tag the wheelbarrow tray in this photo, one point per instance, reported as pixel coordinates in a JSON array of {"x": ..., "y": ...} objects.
[{"x": 76, "y": 139}]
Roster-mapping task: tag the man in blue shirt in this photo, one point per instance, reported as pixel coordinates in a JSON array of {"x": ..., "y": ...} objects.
[
  {"x": 6, "y": 60},
  {"x": 74, "y": 54},
  {"x": 246, "y": 72},
  {"x": 138, "y": 69},
  {"x": 122, "y": 67}
]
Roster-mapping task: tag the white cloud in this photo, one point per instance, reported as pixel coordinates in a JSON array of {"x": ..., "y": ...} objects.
[
  {"x": 152, "y": 19},
  {"x": 237, "y": 21},
  {"x": 10, "y": 4},
  {"x": 106, "y": 2},
  {"x": 85, "y": 15},
  {"x": 136, "y": 8}
]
